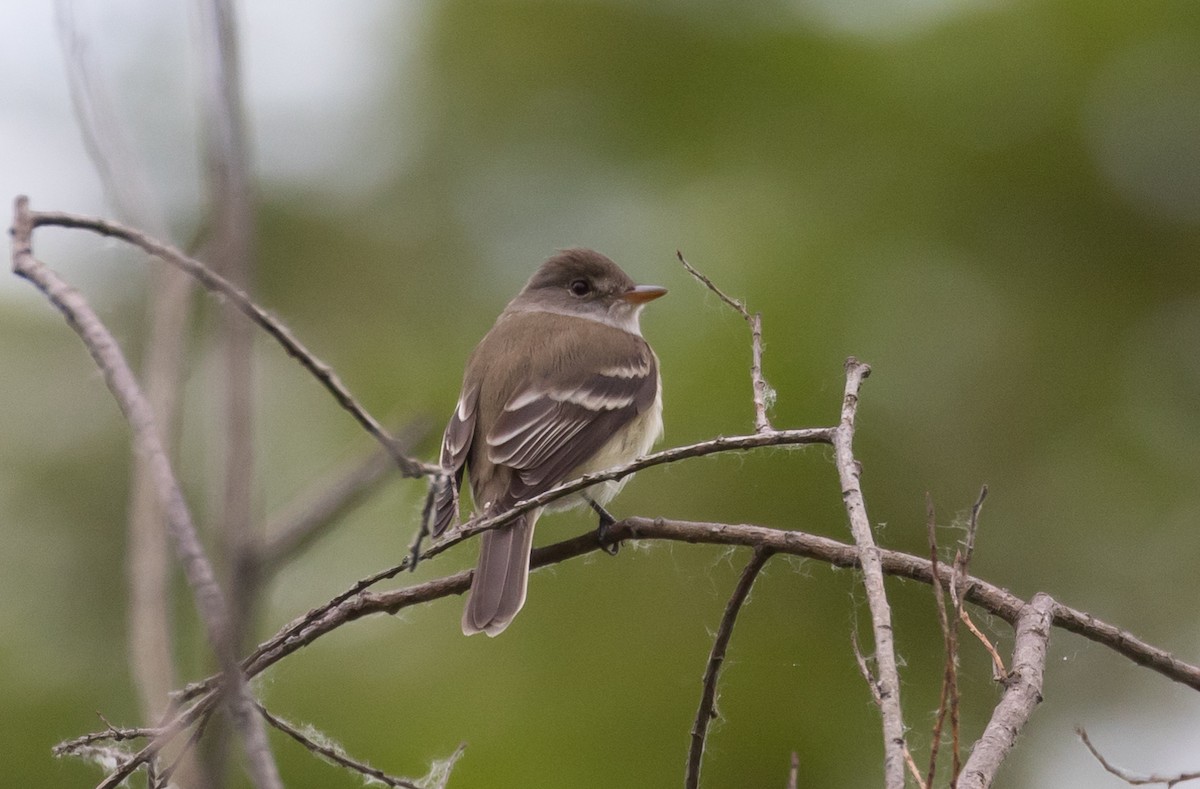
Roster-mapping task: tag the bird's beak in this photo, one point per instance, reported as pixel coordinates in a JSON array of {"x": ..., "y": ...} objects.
[{"x": 640, "y": 294}]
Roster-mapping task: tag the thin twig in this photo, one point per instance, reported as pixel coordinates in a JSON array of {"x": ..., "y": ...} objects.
[
  {"x": 776, "y": 438},
  {"x": 877, "y": 696},
  {"x": 229, "y": 194},
  {"x": 962, "y": 557},
  {"x": 126, "y": 187},
  {"x": 849, "y": 472},
  {"x": 186, "y": 752},
  {"x": 949, "y": 691},
  {"x": 335, "y": 754},
  {"x": 180, "y": 723},
  {"x": 793, "y": 781},
  {"x": 110, "y": 733},
  {"x": 999, "y": 672},
  {"x": 962, "y": 563},
  {"x": 122, "y": 176},
  {"x": 1128, "y": 776},
  {"x": 708, "y": 696},
  {"x": 763, "y": 393},
  {"x": 1021, "y": 696},
  {"x": 272, "y": 326}
]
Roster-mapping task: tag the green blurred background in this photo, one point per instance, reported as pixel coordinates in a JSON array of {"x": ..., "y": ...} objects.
[{"x": 996, "y": 204}]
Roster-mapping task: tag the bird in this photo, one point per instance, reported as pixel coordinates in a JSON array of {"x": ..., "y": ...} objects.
[{"x": 562, "y": 385}]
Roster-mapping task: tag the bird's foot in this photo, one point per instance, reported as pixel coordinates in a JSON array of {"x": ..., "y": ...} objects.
[{"x": 606, "y": 520}]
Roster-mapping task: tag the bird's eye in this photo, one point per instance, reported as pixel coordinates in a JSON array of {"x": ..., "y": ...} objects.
[{"x": 580, "y": 287}]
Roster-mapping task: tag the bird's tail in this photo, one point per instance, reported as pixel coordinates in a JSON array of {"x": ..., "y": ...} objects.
[{"x": 501, "y": 577}]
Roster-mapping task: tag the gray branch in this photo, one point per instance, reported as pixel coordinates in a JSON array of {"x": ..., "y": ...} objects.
[
  {"x": 209, "y": 599},
  {"x": 358, "y": 602},
  {"x": 888, "y": 679},
  {"x": 273, "y": 327},
  {"x": 708, "y": 697},
  {"x": 1022, "y": 694}
]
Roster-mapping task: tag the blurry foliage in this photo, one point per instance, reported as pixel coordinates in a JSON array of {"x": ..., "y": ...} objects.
[{"x": 965, "y": 204}]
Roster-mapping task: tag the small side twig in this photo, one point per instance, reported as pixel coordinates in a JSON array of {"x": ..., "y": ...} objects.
[
  {"x": 962, "y": 557},
  {"x": 948, "y": 699},
  {"x": 877, "y": 696},
  {"x": 708, "y": 697},
  {"x": 335, "y": 754},
  {"x": 999, "y": 672},
  {"x": 793, "y": 781},
  {"x": 764, "y": 395},
  {"x": 1021, "y": 696},
  {"x": 110, "y": 733},
  {"x": 1129, "y": 776}
]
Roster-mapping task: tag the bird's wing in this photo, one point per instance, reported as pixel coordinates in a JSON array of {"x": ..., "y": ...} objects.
[
  {"x": 546, "y": 430},
  {"x": 456, "y": 445}
]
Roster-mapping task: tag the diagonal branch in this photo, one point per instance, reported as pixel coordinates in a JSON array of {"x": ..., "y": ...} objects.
[
  {"x": 281, "y": 334},
  {"x": 708, "y": 698},
  {"x": 948, "y": 701},
  {"x": 764, "y": 395},
  {"x": 775, "y": 438},
  {"x": 1022, "y": 694},
  {"x": 209, "y": 599},
  {"x": 357, "y": 603},
  {"x": 336, "y": 755},
  {"x": 849, "y": 471},
  {"x": 1130, "y": 777},
  {"x": 873, "y": 685}
]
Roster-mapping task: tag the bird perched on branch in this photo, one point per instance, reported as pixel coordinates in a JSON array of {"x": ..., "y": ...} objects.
[{"x": 563, "y": 385}]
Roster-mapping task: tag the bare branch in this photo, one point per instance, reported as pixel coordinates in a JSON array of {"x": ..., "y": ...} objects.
[
  {"x": 281, "y": 334},
  {"x": 776, "y": 438},
  {"x": 962, "y": 557},
  {"x": 1021, "y": 696},
  {"x": 209, "y": 599},
  {"x": 849, "y": 471},
  {"x": 126, "y": 186},
  {"x": 124, "y": 180},
  {"x": 877, "y": 697},
  {"x": 166, "y": 734},
  {"x": 109, "y": 734},
  {"x": 999, "y": 672},
  {"x": 230, "y": 204},
  {"x": 335, "y": 754},
  {"x": 1128, "y": 776},
  {"x": 764, "y": 395},
  {"x": 794, "y": 773},
  {"x": 948, "y": 700},
  {"x": 708, "y": 697},
  {"x": 358, "y": 602}
]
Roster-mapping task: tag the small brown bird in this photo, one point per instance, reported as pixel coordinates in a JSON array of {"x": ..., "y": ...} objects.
[{"x": 563, "y": 385}]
